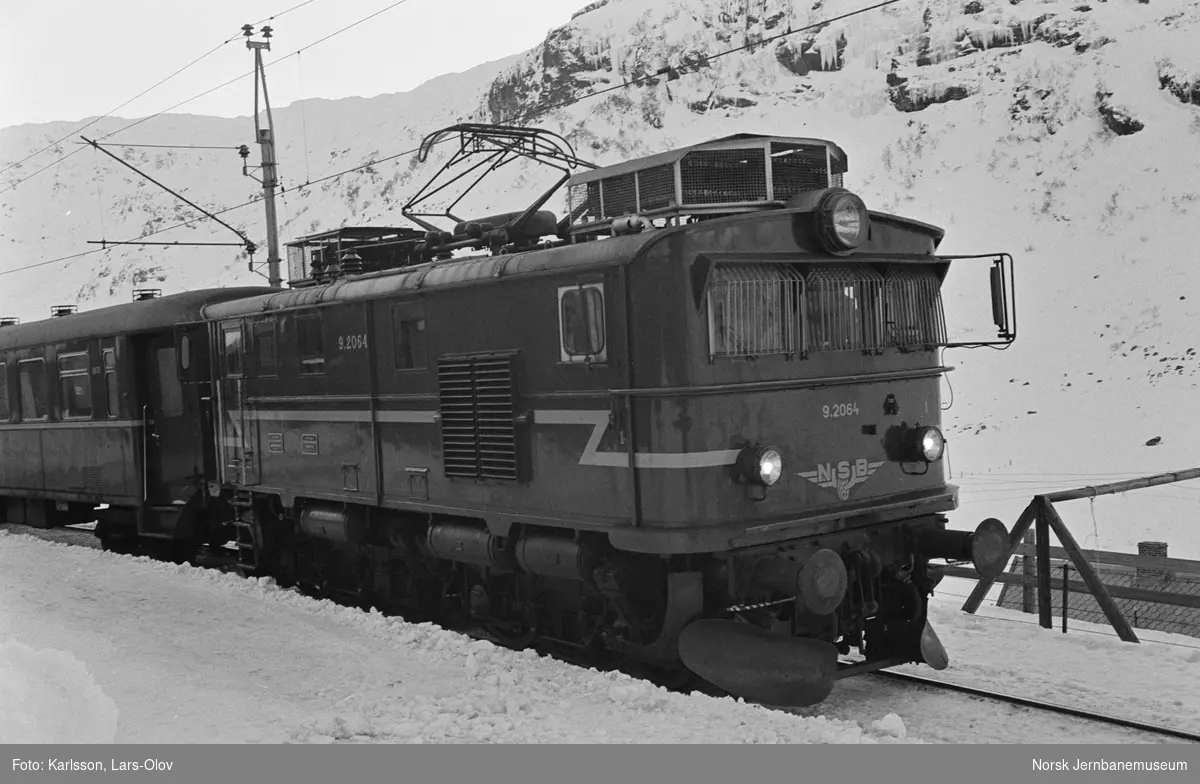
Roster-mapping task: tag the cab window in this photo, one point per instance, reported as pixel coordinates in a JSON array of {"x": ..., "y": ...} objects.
[
  {"x": 310, "y": 343},
  {"x": 231, "y": 343},
  {"x": 581, "y": 323}
]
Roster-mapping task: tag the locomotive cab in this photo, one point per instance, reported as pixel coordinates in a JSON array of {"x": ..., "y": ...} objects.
[{"x": 787, "y": 411}]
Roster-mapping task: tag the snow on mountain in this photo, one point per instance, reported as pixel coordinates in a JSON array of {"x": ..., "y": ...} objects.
[{"x": 1064, "y": 132}]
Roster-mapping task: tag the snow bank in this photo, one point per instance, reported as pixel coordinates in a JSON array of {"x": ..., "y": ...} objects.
[
  {"x": 359, "y": 676},
  {"x": 50, "y": 697}
]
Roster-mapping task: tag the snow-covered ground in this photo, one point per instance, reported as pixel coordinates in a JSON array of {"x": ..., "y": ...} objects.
[{"x": 98, "y": 647}]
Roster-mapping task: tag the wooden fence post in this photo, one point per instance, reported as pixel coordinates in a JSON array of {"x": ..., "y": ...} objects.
[
  {"x": 1111, "y": 611},
  {"x": 1043, "y": 568},
  {"x": 1028, "y": 591}
]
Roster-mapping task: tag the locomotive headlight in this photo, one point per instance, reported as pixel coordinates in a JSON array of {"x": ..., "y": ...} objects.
[
  {"x": 761, "y": 465},
  {"x": 930, "y": 444},
  {"x": 842, "y": 221}
]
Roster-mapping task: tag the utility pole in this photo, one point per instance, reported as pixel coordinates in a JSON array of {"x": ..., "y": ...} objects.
[{"x": 266, "y": 140}]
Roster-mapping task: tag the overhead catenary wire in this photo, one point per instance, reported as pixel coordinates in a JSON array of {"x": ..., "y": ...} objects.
[
  {"x": 136, "y": 123},
  {"x": 157, "y": 84}
]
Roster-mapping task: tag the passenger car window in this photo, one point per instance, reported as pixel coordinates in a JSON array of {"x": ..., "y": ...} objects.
[
  {"x": 5, "y": 411},
  {"x": 75, "y": 385},
  {"x": 170, "y": 390},
  {"x": 34, "y": 394}
]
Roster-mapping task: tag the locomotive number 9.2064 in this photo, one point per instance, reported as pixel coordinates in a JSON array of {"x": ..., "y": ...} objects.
[
  {"x": 839, "y": 410},
  {"x": 349, "y": 342}
]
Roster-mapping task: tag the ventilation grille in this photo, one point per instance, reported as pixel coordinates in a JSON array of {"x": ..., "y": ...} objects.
[
  {"x": 479, "y": 436},
  {"x": 93, "y": 480}
]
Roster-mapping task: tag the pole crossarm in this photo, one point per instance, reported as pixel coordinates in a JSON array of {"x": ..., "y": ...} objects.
[{"x": 245, "y": 240}]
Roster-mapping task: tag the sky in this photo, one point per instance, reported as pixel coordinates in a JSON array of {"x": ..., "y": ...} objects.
[{"x": 92, "y": 57}]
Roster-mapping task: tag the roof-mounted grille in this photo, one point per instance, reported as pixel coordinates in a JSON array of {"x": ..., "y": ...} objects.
[
  {"x": 63, "y": 310},
  {"x": 9, "y": 321},
  {"x": 141, "y": 294},
  {"x": 743, "y": 173}
]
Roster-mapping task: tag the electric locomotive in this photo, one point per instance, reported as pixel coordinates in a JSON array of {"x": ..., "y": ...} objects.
[{"x": 692, "y": 424}]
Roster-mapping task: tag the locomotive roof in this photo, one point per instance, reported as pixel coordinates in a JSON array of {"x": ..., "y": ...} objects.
[
  {"x": 443, "y": 274},
  {"x": 671, "y": 156},
  {"x": 124, "y": 319},
  {"x": 609, "y": 252}
]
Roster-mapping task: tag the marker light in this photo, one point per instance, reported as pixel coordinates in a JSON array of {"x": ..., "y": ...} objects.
[
  {"x": 761, "y": 465},
  {"x": 842, "y": 221}
]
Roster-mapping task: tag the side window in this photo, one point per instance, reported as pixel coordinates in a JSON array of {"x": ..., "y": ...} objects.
[
  {"x": 581, "y": 323},
  {"x": 310, "y": 343},
  {"x": 75, "y": 385},
  {"x": 111, "y": 390},
  {"x": 34, "y": 394},
  {"x": 267, "y": 361},
  {"x": 170, "y": 390},
  {"x": 408, "y": 335},
  {"x": 5, "y": 411},
  {"x": 231, "y": 348}
]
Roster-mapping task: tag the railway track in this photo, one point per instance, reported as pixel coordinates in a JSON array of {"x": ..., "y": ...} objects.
[
  {"x": 1051, "y": 707},
  {"x": 81, "y": 536}
]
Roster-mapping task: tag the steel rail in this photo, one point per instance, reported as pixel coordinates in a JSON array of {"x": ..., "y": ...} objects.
[{"x": 1041, "y": 705}]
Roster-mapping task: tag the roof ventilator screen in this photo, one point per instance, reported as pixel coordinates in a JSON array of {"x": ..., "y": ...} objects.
[
  {"x": 297, "y": 263},
  {"x": 724, "y": 176},
  {"x": 584, "y": 201},
  {"x": 620, "y": 198},
  {"x": 656, "y": 187},
  {"x": 796, "y": 168}
]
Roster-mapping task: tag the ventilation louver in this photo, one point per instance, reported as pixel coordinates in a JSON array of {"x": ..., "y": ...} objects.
[{"x": 479, "y": 434}]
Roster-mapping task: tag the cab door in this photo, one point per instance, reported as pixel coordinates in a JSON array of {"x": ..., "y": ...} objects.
[
  {"x": 237, "y": 427},
  {"x": 199, "y": 394}
]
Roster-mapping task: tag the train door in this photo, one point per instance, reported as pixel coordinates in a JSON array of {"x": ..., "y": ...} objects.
[
  {"x": 171, "y": 429},
  {"x": 238, "y": 427}
]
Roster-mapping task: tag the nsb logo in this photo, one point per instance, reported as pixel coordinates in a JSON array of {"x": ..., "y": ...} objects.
[{"x": 841, "y": 476}]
